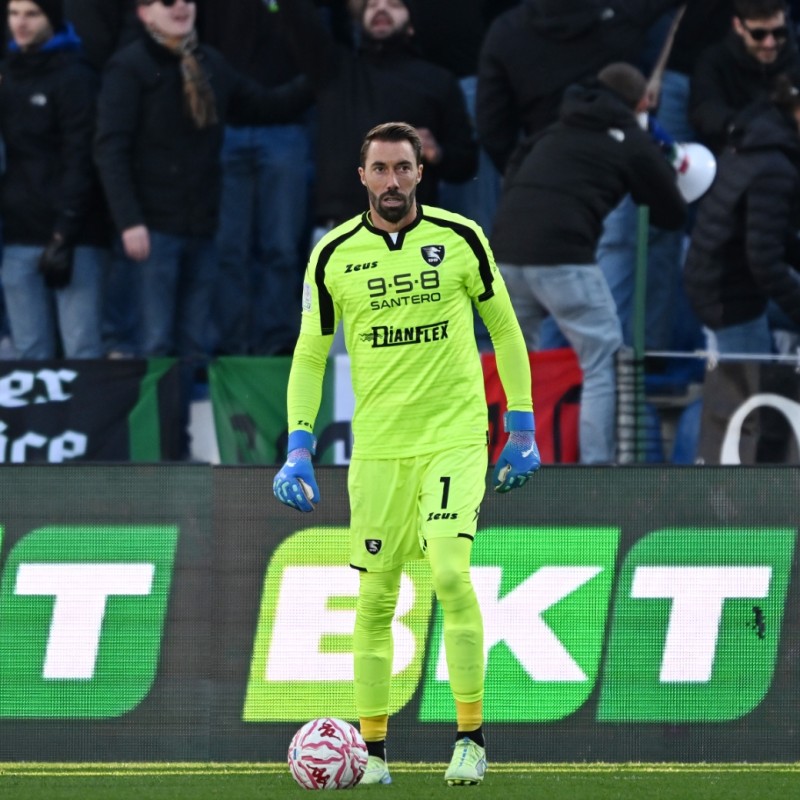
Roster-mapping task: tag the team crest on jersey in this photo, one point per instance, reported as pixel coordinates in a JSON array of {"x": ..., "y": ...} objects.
[
  {"x": 433, "y": 254},
  {"x": 373, "y": 546}
]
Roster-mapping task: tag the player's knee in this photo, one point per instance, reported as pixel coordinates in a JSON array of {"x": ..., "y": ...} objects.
[{"x": 451, "y": 585}]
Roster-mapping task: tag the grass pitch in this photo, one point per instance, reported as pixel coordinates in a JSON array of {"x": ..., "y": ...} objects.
[{"x": 30, "y": 781}]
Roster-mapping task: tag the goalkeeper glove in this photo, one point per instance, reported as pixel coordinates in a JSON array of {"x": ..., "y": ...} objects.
[
  {"x": 520, "y": 457},
  {"x": 295, "y": 484}
]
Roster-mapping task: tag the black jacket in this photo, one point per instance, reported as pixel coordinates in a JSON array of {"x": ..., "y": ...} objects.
[
  {"x": 534, "y": 51},
  {"x": 726, "y": 80},
  {"x": 357, "y": 90},
  {"x": 47, "y": 117},
  {"x": 745, "y": 225},
  {"x": 578, "y": 169},
  {"x": 157, "y": 168}
]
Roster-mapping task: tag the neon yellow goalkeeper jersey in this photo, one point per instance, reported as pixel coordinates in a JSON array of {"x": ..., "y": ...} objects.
[{"x": 406, "y": 307}]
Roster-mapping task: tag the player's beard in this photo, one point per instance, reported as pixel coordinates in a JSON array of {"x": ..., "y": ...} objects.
[{"x": 393, "y": 213}]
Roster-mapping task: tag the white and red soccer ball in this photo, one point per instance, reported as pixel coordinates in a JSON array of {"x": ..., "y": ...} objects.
[{"x": 327, "y": 753}]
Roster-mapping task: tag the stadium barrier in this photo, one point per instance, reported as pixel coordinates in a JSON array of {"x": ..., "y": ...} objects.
[{"x": 180, "y": 613}]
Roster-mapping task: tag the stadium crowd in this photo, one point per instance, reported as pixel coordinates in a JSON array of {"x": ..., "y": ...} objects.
[{"x": 168, "y": 165}]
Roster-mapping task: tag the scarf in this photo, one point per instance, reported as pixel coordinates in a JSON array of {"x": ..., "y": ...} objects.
[{"x": 197, "y": 91}]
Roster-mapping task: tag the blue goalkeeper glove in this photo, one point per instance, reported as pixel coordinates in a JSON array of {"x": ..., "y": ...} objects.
[
  {"x": 520, "y": 457},
  {"x": 295, "y": 484}
]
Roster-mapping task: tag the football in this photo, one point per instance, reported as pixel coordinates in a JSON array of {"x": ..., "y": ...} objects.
[{"x": 327, "y": 753}]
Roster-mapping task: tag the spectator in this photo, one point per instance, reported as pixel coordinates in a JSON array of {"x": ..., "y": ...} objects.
[
  {"x": 744, "y": 251},
  {"x": 265, "y": 193},
  {"x": 670, "y": 324},
  {"x": 384, "y": 79},
  {"x": 741, "y": 69},
  {"x": 534, "y": 51},
  {"x": 55, "y": 242},
  {"x": 550, "y": 220},
  {"x": 163, "y": 106}
]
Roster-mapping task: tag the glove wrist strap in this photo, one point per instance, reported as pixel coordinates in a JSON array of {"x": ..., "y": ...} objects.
[
  {"x": 518, "y": 421},
  {"x": 302, "y": 439}
]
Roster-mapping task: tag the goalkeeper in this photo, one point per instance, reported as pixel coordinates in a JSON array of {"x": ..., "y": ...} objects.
[{"x": 403, "y": 280}]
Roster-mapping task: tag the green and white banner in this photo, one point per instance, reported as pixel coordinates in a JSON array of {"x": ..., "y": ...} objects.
[
  {"x": 180, "y": 613},
  {"x": 89, "y": 410}
]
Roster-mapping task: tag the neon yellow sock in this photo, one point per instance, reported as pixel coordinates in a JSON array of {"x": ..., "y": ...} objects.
[
  {"x": 469, "y": 715},
  {"x": 373, "y": 729}
]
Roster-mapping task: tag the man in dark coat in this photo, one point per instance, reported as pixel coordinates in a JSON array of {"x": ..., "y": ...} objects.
[
  {"x": 741, "y": 69},
  {"x": 744, "y": 251},
  {"x": 385, "y": 79},
  {"x": 550, "y": 220},
  {"x": 55, "y": 242}
]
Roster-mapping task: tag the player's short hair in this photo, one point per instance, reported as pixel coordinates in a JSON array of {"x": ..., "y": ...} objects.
[
  {"x": 625, "y": 80},
  {"x": 392, "y": 132},
  {"x": 758, "y": 9}
]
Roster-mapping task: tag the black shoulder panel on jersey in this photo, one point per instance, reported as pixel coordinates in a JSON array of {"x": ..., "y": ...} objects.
[
  {"x": 327, "y": 318},
  {"x": 471, "y": 238}
]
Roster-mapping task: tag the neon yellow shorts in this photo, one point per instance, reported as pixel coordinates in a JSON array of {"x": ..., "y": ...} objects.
[{"x": 396, "y": 505}]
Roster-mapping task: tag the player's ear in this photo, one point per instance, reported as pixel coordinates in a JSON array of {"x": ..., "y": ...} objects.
[
  {"x": 419, "y": 172},
  {"x": 362, "y": 176}
]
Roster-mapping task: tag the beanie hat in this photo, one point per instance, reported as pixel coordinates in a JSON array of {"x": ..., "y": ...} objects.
[{"x": 54, "y": 11}]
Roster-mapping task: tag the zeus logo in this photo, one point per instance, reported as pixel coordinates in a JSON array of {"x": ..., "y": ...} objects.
[
  {"x": 434, "y": 515},
  {"x": 360, "y": 267},
  {"x": 390, "y": 336}
]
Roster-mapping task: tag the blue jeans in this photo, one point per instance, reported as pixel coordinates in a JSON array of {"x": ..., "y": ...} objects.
[
  {"x": 175, "y": 286},
  {"x": 120, "y": 305},
  {"x": 578, "y": 299},
  {"x": 261, "y": 239},
  {"x": 174, "y": 289},
  {"x": 39, "y": 316},
  {"x": 751, "y": 338}
]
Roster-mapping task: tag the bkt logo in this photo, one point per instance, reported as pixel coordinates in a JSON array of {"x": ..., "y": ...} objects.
[
  {"x": 692, "y": 633},
  {"x": 82, "y": 612}
]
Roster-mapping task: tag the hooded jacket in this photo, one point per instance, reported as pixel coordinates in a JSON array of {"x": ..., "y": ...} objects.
[
  {"x": 534, "y": 51},
  {"x": 745, "y": 227},
  {"x": 577, "y": 170},
  {"x": 47, "y": 118},
  {"x": 726, "y": 80},
  {"x": 358, "y": 89}
]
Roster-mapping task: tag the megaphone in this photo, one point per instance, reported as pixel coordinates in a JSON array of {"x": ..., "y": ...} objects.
[{"x": 696, "y": 168}]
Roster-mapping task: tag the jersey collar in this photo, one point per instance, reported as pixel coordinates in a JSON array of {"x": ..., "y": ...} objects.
[{"x": 401, "y": 234}]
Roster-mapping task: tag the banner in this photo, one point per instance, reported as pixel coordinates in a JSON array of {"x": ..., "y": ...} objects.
[
  {"x": 248, "y": 396},
  {"x": 180, "y": 613},
  {"x": 557, "y": 381},
  {"x": 751, "y": 414},
  {"x": 87, "y": 410},
  {"x": 248, "y": 399}
]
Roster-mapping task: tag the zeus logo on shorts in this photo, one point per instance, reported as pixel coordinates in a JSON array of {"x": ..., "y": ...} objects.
[{"x": 373, "y": 546}]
